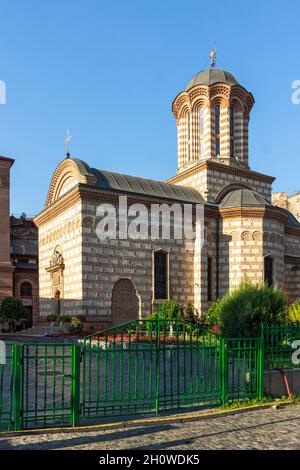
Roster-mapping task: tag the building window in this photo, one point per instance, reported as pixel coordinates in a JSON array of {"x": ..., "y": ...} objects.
[
  {"x": 201, "y": 121},
  {"x": 217, "y": 129},
  {"x": 269, "y": 270},
  {"x": 231, "y": 132},
  {"x": 209, "y": 279},
  {"x": 26, "y": 289},
  {"x": 201, "y": 132},
  {"x": 160, "y": 275}
]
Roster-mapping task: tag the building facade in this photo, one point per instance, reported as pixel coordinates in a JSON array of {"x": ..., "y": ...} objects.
[
  {"x": 245, "y": 236},
  {"x": 18, "y": 251}
]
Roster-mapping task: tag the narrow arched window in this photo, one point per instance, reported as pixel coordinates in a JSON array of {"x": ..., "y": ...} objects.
[
  {"x": 231, "y": 132},
  {"x": 160, "y": 275},
  {"x": 201, "y": 132},
  {"x": 217, "y": 129},
  {"x": 268, "y": 268},
  {"x": 26, "y": 289}
]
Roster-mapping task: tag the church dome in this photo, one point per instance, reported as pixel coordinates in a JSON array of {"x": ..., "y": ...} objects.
[
  {"x": 211, "y": 76},
  {"x": 243, "y": 198}
]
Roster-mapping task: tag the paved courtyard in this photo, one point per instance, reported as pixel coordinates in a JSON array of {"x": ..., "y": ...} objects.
[{"x": 259, "y": 429}]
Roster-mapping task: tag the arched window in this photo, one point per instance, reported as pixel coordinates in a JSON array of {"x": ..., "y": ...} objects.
[
  {"x": 231, "y": 132},
  {"x": 160, "y": 275},
  {"x": 26, "y": 289},
  {"x": 201, "y": 132},
  {"x": 217, "y": 129},
  {"x": 268, "y": 270}
]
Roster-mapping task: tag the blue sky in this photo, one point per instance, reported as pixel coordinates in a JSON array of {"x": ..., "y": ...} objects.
[{"x": 109, "y": 70}]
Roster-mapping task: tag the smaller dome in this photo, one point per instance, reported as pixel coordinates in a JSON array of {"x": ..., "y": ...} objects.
[
  {"x": 211, "y": 76},
  {"x": 243, "y": 198}
]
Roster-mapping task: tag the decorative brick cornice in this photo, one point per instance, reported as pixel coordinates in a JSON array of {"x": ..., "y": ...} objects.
[
  {"x": 218, "y": 166},
  {"x": 58, "y": 207},
  {"x": 238, "y": 212},
  {"x": 290, "y": 230}
]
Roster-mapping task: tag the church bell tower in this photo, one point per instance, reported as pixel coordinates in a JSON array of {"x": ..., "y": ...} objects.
[{"x": 212, "y": 116}]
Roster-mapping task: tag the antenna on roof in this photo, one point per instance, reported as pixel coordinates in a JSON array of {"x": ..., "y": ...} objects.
[
  {"x": 213, "y": 56},
  {"x": 67, "y": 142}
]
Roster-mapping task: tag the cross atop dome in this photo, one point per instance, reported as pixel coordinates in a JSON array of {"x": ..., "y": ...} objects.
[{"x": 212, "y": 57}]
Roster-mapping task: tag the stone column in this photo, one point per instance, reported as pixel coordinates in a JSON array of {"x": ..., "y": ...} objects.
[{"x": 6, "y": 268}]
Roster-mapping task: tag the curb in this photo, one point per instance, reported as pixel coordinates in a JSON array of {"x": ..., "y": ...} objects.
[{"x": 148, "y": 421}]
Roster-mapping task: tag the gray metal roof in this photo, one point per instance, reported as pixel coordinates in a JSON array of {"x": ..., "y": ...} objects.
[
  {"x": 292, "y": 220},
  {"x": 243, "y": 197},
  {"x": 111, "y": 181},
  {"x": 211, "y": 76}
]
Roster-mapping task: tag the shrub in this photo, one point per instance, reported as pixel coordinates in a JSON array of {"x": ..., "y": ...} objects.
[
  {"x": 171, "y": 310},
  {"x": 242, "y": 312},
  {"x": 212, "y": 317},
  {"x": 76, "y": 325},
  {"x": 293, "y": 317},
  {"x": 12, "y": 310},
  {"x": 191, "y": 315}
]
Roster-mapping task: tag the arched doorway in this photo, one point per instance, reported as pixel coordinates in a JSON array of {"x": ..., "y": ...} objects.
[{"x": 124, "y": 302}]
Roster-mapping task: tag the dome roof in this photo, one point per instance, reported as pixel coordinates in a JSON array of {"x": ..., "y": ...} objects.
[
  {"x": 243, "y": 198},
  {"x": 211, "y": 76}
]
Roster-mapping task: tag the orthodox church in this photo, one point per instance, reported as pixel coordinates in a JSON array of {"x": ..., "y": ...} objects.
[{"x": 245, "y": 235}]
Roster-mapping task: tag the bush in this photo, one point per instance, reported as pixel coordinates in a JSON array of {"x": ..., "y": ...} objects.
[
  {"x": 293, "y": 317},
  {"x": 12, "y": 310},
  {"x": 191, "y": 315},
  {"x": 242, "y": 312},
  {"x": 212, "y": 317},
  {"x": 76, "y": 325}
]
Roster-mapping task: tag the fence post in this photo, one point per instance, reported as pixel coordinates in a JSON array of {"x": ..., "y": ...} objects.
[
  {"x": 157, "y": 389},
  {"x": 17, "y": 386},
  {"x": 224, "y": 371},
  {"x": 75, "y": 385},
  {"x": 261, "y": 369}
]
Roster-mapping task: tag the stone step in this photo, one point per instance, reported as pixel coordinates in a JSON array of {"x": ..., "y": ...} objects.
[{"x": 42, "y": 330}]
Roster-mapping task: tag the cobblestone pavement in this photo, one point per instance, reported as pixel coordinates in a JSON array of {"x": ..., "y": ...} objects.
[{"x": 259, "y": 429}]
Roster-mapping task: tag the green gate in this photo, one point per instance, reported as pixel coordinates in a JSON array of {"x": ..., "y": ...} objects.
[
  {"x": 47, "y": 384},
  {"x": 7, "y": 376}
]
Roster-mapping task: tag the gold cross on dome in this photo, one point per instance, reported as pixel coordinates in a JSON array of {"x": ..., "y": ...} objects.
[{"x": 212, "y": 56}]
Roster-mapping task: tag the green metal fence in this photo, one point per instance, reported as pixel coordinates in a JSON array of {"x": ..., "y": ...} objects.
[
  {"x": 278, "y": 344},
  {"x": 7, "y": 374},
  {"x": 135, "y": 368},
  {"x": 146, "y": 366}
]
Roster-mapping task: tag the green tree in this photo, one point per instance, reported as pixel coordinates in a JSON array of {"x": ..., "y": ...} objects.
[
  {"x": 241, "y": 312},
  {"x": 12, "y": 310}
]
